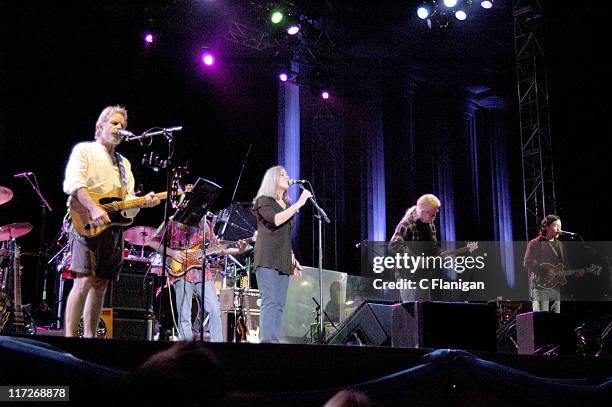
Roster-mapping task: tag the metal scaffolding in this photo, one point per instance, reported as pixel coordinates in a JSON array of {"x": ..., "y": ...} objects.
[{"x": 534, "y": 114}]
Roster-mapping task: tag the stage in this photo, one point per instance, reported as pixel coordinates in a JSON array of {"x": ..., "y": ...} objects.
[{"x": 266, "y": 374}]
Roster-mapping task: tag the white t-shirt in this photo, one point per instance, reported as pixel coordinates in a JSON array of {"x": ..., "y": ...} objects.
[{"x": 90, "y": 165}]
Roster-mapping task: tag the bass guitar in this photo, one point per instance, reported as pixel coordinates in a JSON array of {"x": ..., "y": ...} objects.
[
  {"x": 113, "y": 203},
  {"x": 194, "y": 256}
]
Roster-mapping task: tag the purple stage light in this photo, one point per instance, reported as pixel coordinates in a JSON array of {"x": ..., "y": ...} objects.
[
  {"x": 207, "y": 58},
  {"x": 325, "y": 95},
  {"x": 283, "y": 77},
  {"x": 149, "y": 38}
]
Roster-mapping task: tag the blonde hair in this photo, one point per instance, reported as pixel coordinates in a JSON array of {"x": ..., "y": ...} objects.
[
  {"x": 107, "y": 113},
  {"x": 425, "y": 202},
  {"x": 269, "y": 184}
]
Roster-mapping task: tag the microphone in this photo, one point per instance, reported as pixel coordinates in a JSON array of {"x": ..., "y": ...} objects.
[
  {"x": 564, "y": 232},
  {"x": 22, "y": 175},
  {"x": 125, "y": 133},
  {"x": 297, "y": 181}
]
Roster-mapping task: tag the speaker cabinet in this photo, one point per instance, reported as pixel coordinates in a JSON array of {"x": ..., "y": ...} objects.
[
  {"x": 468, "y": 326},
  {"x": 131, "y": 325},
  {"x": 370, "y": 324},
  {"x": 132, "y": 292},
  {"x": 540, "y": 331}
]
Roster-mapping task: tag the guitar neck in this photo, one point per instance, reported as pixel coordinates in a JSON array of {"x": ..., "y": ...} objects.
[
  {"x": 131, "y": 203},
  {"x": 454, "y": 252},
  {"x": 17, "y": 281},
  {"x": 566, "y": 273}
]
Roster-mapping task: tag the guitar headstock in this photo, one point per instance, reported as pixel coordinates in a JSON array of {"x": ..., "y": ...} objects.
[
  {"x": 472, "y": 246},
  {"x": 594, "y": 269}
]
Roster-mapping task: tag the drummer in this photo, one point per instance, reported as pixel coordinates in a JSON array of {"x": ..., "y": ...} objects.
[{"x": 184, "y": 245}]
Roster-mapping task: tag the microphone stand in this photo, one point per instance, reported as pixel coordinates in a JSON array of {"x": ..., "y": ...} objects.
[
  {"x": 44, "y": 205},
  {"x": 321, "y": 216},
  {"x": 167, "y": 133}
]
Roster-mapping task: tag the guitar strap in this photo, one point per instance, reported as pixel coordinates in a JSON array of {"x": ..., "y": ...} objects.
[
  {"x": 556, "y": 252},
  {"x": 122, "y": 176}
]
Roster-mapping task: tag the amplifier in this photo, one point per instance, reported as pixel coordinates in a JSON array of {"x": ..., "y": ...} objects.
[
  {"x": 249, "y": 298},
  {"x": 132, "y": 291}
]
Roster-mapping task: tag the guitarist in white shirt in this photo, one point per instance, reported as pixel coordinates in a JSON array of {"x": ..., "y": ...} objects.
[{"x": 96, "y": 167}]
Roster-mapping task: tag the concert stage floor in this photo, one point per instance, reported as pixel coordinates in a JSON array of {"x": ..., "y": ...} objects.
[{"x": 265, "y": 374}]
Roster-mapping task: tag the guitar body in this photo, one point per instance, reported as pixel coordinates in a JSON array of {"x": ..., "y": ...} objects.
[
  {"x": 113, "y": 202},
  {"x": 551, "y": 275},
  {"x": 178, "y": 269},
  {"x": 194, "y": 259},
  {"x": 81, "y": 221}
]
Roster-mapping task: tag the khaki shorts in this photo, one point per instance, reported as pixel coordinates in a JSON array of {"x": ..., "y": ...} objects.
[{"x": 100, "y": 256}]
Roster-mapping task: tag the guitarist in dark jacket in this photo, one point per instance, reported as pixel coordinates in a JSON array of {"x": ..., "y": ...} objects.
[
  {"x": 545, "y": 248},
  {"x": 417, "y": 225},
  {"x": 96, "y": 167}
]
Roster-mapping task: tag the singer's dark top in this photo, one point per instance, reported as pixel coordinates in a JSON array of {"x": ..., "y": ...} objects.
[
  {"x": 540, "y": 250},
  {"x": 273, "y": 245}
]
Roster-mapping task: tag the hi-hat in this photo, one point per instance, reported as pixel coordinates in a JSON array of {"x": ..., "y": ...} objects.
[
  {"x": 5, "y": 195},
  {"x": 139, "y": 235},
  {"x": 14, "y": 230}
]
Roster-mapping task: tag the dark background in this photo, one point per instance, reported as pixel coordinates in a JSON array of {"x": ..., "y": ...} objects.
[{"x": 62, "y": 62}]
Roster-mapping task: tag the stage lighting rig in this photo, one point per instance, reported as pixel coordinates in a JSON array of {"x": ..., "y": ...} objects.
[{"x": 440, "y": 13}]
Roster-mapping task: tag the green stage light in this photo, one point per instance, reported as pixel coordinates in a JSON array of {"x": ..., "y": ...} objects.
[{"x": 276, "y": 17}]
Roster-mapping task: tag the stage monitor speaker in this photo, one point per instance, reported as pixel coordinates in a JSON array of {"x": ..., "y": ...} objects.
[
  {"x": 469, "y": 326},
  {"x": 370, "y": 324},
  {"x": 541, "y": 331}
]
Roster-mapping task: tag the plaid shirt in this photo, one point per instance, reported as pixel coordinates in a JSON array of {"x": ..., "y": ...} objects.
[{"x": 411, "y": 229}]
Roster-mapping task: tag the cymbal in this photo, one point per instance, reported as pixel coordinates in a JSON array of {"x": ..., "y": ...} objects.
[
  {"x": 139, "y": 235},
  {"x": 14, "y": 230},
  {"x": 5, "y": 195}
]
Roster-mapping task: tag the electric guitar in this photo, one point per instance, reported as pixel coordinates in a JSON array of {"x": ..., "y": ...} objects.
[
  {"x": 17, "y": 320},
  {"x": 252, "y": 335},
  {"x": 469, "y": 247},
  {"x": 194, "y": 256},
  {"x": 113, "y": 203},
  {"x": 551, "y": 276}
]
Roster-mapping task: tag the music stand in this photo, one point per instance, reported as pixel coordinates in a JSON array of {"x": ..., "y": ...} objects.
[{"x": 190, "y": 211}]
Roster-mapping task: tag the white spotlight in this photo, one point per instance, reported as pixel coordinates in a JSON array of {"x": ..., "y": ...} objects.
[{"x": 450, "y": 3}]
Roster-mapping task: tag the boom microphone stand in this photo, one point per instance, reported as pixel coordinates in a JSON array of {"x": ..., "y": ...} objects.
[
  {"x": 44, "y": 205},
  {"x": 321, "y": 216},
  {"x": 169, "y": 135}
]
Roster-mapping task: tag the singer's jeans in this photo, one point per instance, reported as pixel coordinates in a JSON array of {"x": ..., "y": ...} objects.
[
  {"x": 543, "y": 297},
  {"x": 273, "y": 291},
  {"x": 184, "y": 297}
]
